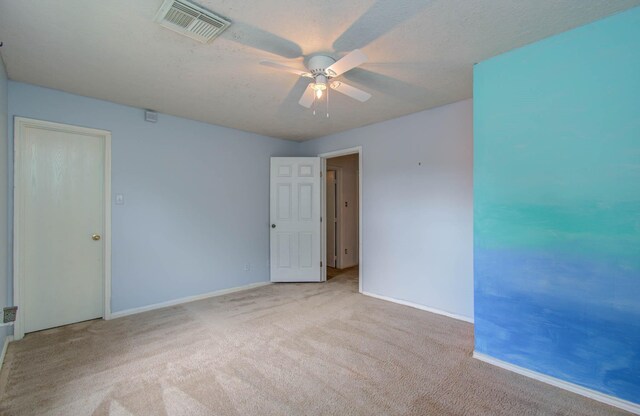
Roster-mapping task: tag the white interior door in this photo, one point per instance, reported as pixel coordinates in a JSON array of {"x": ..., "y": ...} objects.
[
  {"x": 295, "y": 219},
  {"x": 60, "y": 192},
  {"x": 332, "y": 218}
]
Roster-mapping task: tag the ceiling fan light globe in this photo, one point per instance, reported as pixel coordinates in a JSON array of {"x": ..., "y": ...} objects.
[{"x": 321, "y": 82}]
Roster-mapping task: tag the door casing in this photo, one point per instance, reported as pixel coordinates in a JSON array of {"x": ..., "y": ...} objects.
[
  {"x": 338, "y": 204},
  {"x": 20, "y": 123}
]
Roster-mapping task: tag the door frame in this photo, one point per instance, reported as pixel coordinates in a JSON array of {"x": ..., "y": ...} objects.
[
  {"x": 338, "y": 200},
  {"x": 323, "y": 186},
  {"x": 20, "y": 123}
]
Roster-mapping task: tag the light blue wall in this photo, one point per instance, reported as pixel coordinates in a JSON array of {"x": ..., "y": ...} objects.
[
  {"x": 4, "y": 198},
  {"x": 557, "y": 206},
  {"x": 417, "y": 220},
  {"x": 196, "y": 197}
]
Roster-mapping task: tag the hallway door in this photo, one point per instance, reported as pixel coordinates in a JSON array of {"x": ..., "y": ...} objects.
[{"x": 295, "y": 219}]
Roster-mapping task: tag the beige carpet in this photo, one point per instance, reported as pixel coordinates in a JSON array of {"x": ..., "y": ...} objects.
[
  {"x": 333, "y": 272},
  {"x": 283, "y": 349}
]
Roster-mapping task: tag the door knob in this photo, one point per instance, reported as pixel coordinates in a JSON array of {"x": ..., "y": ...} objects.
[
  {"x": 95, "y": 237},
  {"x": 273, "y": 226}
]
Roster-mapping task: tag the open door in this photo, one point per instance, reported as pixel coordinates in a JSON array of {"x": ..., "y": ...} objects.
[{"x": 295, "y": 219}]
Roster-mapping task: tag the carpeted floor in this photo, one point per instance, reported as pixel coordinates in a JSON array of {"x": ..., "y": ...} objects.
[
  {"x": 282, "y": 349},
  {"x": 332, "y": 272}
]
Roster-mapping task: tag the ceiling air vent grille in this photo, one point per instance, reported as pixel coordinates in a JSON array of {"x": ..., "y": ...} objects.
[{"x": 191, "y": 20}]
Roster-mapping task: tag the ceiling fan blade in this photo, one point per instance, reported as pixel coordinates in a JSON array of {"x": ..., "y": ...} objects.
[
  {"x": 377, "y": 21},
  {"x": 307, "y": 97},
  {"x": 286, "y": 68},
  {"x": 349, "y": 91},
  {"x": 245, "y": 34},
  {"x": 349, "y": 61}
]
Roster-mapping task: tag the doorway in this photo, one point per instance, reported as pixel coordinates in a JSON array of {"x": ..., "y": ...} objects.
[
  {"x": 61, "y": 224},
  {"x": 342, "y": 213}
]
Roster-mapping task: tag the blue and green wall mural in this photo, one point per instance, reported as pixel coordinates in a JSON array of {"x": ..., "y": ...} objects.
[{"x": 557, "y": 206}]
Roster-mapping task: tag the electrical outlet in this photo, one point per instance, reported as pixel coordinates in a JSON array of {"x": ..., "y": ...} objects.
[
  {"x": 9, "y": 314},
  {"x": 247, "y": 267}
]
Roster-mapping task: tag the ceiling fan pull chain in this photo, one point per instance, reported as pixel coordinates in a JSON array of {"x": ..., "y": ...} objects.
[{"x": 328, "y": 102}]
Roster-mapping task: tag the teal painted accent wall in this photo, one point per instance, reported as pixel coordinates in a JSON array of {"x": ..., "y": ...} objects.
[{"x": 557, "y": 206}]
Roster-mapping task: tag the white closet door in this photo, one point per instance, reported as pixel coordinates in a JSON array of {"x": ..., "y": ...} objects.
[{"x": 61, "y": 254}]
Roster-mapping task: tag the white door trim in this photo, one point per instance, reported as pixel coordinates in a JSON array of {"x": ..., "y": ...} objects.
[
  {"x": 339, "y": 202},
  {"x": 323, "y": 184},
  {"x": 20, "y": 123}
]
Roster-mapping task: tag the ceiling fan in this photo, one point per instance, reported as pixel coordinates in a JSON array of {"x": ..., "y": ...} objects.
[{"x": 322, "y": 69}]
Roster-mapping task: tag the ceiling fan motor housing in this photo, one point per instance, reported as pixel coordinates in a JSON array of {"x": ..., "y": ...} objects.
[{"x": 318, "y": 65}]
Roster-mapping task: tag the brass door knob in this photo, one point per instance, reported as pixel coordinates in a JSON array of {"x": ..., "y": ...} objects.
[{"x": 95, "y": 237}]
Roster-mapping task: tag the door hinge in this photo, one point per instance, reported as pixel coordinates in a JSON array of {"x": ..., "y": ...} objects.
[
  {"x": 320, "y": 219},
  {"x": 321, "y": 174},
  {"x": 320, "y": 264}
]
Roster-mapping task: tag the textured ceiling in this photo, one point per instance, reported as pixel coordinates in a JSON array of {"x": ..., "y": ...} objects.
[{"x": 421, "y": 54}]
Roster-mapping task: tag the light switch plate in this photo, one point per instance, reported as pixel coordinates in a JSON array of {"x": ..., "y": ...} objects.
[{"x": 119, "y": 199}]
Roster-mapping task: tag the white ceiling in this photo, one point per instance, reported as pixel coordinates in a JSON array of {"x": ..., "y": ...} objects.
[{"x": 421, "y": 54}]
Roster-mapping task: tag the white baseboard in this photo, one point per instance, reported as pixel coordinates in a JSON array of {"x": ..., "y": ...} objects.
[
  {"x": 7, "y": 340},
  {"x": 187, "y": 299},
  {"x": 421, "y": 307},
  {"x": 574, "y": 388}
]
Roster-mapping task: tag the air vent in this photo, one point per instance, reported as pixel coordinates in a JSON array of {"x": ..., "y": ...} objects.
[{"x": 191, "y": 20}]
